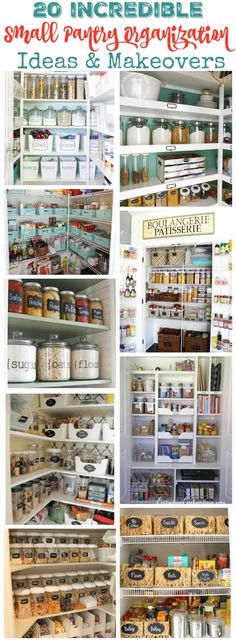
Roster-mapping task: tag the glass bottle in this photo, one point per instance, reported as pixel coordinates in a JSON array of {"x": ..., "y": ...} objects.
[
  {"x": 136, "y": 171},
  {"x": 211, "y": 135},
  {"x": 124, "y": 170},
  {"x": 144, "y": 168}
]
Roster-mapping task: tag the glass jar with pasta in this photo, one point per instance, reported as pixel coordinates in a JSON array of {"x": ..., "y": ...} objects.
[{"x": 51, "y": 302}]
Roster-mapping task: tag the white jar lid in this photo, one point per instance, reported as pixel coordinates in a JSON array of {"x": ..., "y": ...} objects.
[
  {"x": 65, "y": 587},
  {"x": 16, "y": 546},
  {"x": 47, "y": 575},
  {"x": 22, "y": 592},
  {"x": 89, "y": 585},
  {"x": 52, "y": 589},
  {"x": 37, "y": 590},
  {"x": 34, "y": 577},
  {"x": 20, "y": 576}
]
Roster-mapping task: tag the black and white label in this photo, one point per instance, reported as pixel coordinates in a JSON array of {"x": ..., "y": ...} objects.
[
  {"x": 136, "y": 574},
  {"x": 55, "y": 459},
  {"x": 206, "y": 576},
  {"x": 69, "y": 308},
  {"x": 15, "y": 297},
  {"x": 156, "y": 628},
  {"x": 169, "y": 522},
  {"x": 172, "y": 574},
  {"x": 227, "y": 522},
  {"x": 82, "y": 434},
  {"x": 129, "y": 628},
  {"x": 200, "y": 522},
  {"x": 50, "y": 402},
  {"x": 134, "y": 522},
  {"x": 89, "y": 468},
  {"x": 53, "y": 305},
  {"x": 34, "y": 302}
]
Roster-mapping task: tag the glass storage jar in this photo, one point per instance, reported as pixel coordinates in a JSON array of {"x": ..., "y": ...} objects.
[
  {"x": 180, "y": 133},
  {"x": 138, "y": 132},
  {"x": 22, "y": 603},
  {"x": 64, "y": 117},
  {"x": 136, "y": 168},
  {"x": 33, "y": 86},
  {"x": 71, "y": 87},
  {"x": 103, "y": 593},
  {"x": 34, "y": 581},
  {"x": 54, "y": 457},
  {"x": 74, "y": 553},
  {"x": 144, "y": 168},
  {"x": 205, "y": 190},
  {"x": 26, "y": 86},
  {"x": 59, "y": 579},
  {"x": 27, "y": 554},
  {"x": 53, "y": 360},
  {"x": 195, "y": 191},
  {"x": 184, "y": 195},
  {"x": 83, "y": 488},
  {"x": 211, "y": 133},
  {"x": 63, "y": 87},
  {"x": 53, "y": 599},
  {"x": 51, "y": 302},
  {"x": 68, "y": 308},
  {"x": 56, "y": 86},
  {"x": 84, "y": 361},
  {"x": 82, "y": 308},
  {"x": 47, "y": 579},
  {"x": 36, "y": 493},
  {"x": 33, "y": 299},
  {"x": 197, "y": 134},
  {"x": 124, "y": 170},
  {"x": 50, "y": 117},
  {"x": 54, "y": 554},
  {"x": 64, "y": 550},
  {"x": 227, "y": 135},
  {"x": 15, "y": 554},
  {"x": 15, "y": 296},
  {"x": 66, "y": 597},
  {"x": 78, "y": 117},
  {"x": 35, "y": 117},
  {"x": 49, "y": 87},
  {"x": 27, "y": 497},
  {"x": 41, "y": 554},
  {"x": 17, "y": 503},
  {"x": 41, "y": 86},
  {"x": 161, "y": 134},
  {"x": 19, "y": 581},
  {"x": 39, "y": 601},
  {"x": 95, "y": 311}
]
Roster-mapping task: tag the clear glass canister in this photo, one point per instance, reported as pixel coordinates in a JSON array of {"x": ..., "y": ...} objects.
[
  {"x": 84, "y": 361},
  {"x": 211, "y": 133},
  {"x": 17, "y": 503},
  {"x": 54, "y": 554},
  {"x": 53, "y": 360},
  {"x": 124, "y": 170},
  {"x": 33, "y": 300},
  {"x": 15, "y": 554},
  {"x": 51, "y": 302},
  {"x": 47, "y": 579},
  {"x": 38, "y": 599},
  {"x": 50, "y": 117},
  {"x": 95, "y": 311},
  {"x": 71, "y": 87},
  {"x": 161, "y": 133},
  {"x": 26, "y": 86},
  {"x": 74, "y": 553},
  {"x": 79, "y": 117},
  {"x": 68, "y": 305},
  {"x": 56, "y": 86},
  {"x": 33, "y": 86},
  {"x": 27, "y": 554},
  {"x": 41, "y": 554},
  {"x": 144, "y": 168},
  {"x": 66, "y": 597},
  {"x": 19, "y": 581},
  {"x": 136, "y": 173},
  {"x": 49, "y": 87},
  {"x": 63, "y": 87},
  {"x": 35, "y": 117},
  {"x": 53, "y": 457},
  {"x": 180, "y": 133},
  {"x": 138, "y": 132},
  {"x": 41, "y": 86},
  {"x": 197, "y": 134},
  {"x": 22, "y": 603},
  {"x": 64, "y": 117},
  {"x": 69, "y": 485},
  {"x": 53, "y": 599}
]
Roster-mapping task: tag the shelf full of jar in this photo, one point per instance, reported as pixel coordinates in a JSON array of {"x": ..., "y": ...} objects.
[
  {"x": 57, "y": 496},
  {"x": 154, "y": 185},
  {"x": 125, "y": 150},
  {"x": 22, "y": 479}
]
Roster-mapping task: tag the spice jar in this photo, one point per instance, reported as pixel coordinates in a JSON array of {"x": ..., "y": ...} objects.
[
  {"x": 15, "y": 296},
  {"x": 84, "y": 361},
  {"x": 38, "y": 600},
  {"x": 95, "y": 311},
  {"x": 22, "y": 603},
  {"x": 68, "y": 309},
  {"x": 71, "y": 87},
  {"x": 17, "y": 503},
  {"x": 211, "y": 134},
  {"x": 66, "y": 597},
  {"x": 82, "y": 308},
  {"x": 124, "y": 170},
  {"x": 51, "y": 302},
  {"x": 161, "y": 134},
  {"x": 184, "y": 195},
  {"x": 33, "y": 300},
  {"x": 195, "y": 192},
  {"x": 53, "y": 360},
  {"x": 21, "y": 361},
  {"x": 144, "y": 168},
  {"x": 180, "y": 133},
  {"x": 135, "y": 169},
  {"x": 205, "y": 190},
  {"x": 138, "y": 133},
  {"x": 197, "y": 134},
  {"x": 53, "y": 599}
]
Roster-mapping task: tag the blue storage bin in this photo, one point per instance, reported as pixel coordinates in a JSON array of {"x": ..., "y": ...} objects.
[
  {"x": 75, "y": 212},
  {"x": 104, "y": 215},
  {"x": 89, "y": 213},
  {"x": 48, "y": 211},
  {"x": 76, "y": 231},
  {"x": 87, "y": 236},
  {"x": 13, "y": 235},
  {"x": 40, "y": 210},
  {"x": 27, "y": 234},
  {"x": 27, "y": 211},
  {"x": 103, "y": 242},
  {"x": 59, "y": 211},
  {"x": 87, "y": 252},
  {"x": 44, "y": 233},
  {"x": 12, "y": 211}
]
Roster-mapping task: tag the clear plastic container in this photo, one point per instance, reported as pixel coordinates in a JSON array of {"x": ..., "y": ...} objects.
[
  {"x": 64, "y": 550},
  {"x": 53, "y": 599},
  {"x": 35, "y": 117},
  {"x": 41, "y": 554},
  {"x": 53, "y": 457},
  {"x": 124, "y": 170},
  {"x": 47, "y": 579},
  {"x": 66, "y": 597},
  {"x": 34, "y": 581},
  {"x": 54, "y": 554},
  {"x": 15, "y": 554},
  {"x": 49, "y": 87},
  {"x": 19, "y": 581},
  {"x": 136, "y": 173},
  {"x": 74, "y": 553},
  {"x": 71, "y": 87},
  {"x": 22, "y": 603},
  {"x": 62, "y": 538},
  {"x": 79, "y": 117},
  {"x": 144, "y": 168},
  {"x": 88, "y": 552},
  {"x": 69, "y": 485},
  {"x": 60, "y": 578},
  {"x": 27, "y": 555},
  {"x": 63, "y": 87},
  {"x": 39, "y": 601}
]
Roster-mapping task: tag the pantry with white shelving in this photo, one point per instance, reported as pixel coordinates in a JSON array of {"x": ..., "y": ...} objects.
[
  {"x": 59, "y": 128},
  {"x": 59, "y": 584},
  {"x": 178, "y": 289},
  {"x": 175, "y": 429},
  {"x": 60, "y": 459},
  {"x": 176, "y": 138},
  {"x": 55, "y": 232}
]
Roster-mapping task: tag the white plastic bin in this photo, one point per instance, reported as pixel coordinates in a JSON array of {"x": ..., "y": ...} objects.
[
  {"x": 87, "y": 467},
  {"x": 31, "y": 168},
  {"x": 40, "y": 145},
  {"x": 49, "y": 168},
  {"x": 56, "y": 432},
  {"x": 108, "y": 435},
  {"x": 70, "y": 145},
  {"x": 82, "y": 170},
  {"x": 54, "y": 401},
  {"x": 84, "y": 434},
  {"x": 68, "y": 167},
  {"x": 92, "y": 170}
]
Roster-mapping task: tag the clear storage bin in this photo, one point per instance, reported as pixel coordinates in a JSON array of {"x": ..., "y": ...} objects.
[
  {"x": 66, "y": 597},
  {"x": 22, "y": 603},
  {"x": 39, "y": 602},
  {"x": 19, "y": 581},
  {"x": 53, "y": 599}
]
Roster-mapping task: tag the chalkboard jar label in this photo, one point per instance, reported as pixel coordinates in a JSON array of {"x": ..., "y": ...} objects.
[
  {"x": 200, "y": 522},
  {"x": 156, "y": 627},
  {"x": 136, "y": 574},
  {"x": 134, "y": 522},
  {"x": 227, "y": 522},
  {"x": 129, "y": 628},
  {"x": 49, "y": 433},
  {"x": 205, "y": 576},
  {"x": 169, "y": 522},
  {"x": 82, "y": 434},
  {"x": 172, "y": 574},
  {"x": 89, "y": 468}
]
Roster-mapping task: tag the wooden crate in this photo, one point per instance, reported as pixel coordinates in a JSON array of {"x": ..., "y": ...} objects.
[
  {"x": 196, "y": 342},
  {"x": 169, "y": 340}
]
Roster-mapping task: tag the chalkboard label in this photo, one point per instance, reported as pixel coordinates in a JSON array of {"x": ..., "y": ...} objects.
[
  {"x": 34, "y": 302},
  {"x": 53, "y": 306},
  {"x": 49, "y": 433},
  {"x": 200, "y": 522},
  {"x": 50, "y": 402},
  {"x": 129, "y": 628},
  {"x": 156, "y": 627},
  {"x": 89, "y": 468},
  {"x": 169, "y": 522},
  {"x": 82, "y": 434},
  {"x": 172, "y": 574},
  {"x": 206, "y": 576},
  {"x": 134, "y": 522},
  {"x": 136, "y": 574},
  {"x": 227, "y": 522}
]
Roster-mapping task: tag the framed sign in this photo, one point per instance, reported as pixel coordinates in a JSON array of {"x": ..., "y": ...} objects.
[{"x": 183, "y": 225}]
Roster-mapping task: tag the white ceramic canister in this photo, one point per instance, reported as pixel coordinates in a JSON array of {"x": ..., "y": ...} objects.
[
  {"x": 138, "y": 133},
  {"x": 21, "y": 360},
  {"x": 84, "y": 361}
]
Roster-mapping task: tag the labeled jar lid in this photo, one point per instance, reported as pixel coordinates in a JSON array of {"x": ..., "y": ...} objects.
[
  {"x": 53, "y": 341},
  {"x": 52, "y": 589},
  {"x": 65, "y": 587},
  {"x": 17, "y": 339},
  {"x": 35, "y": 576}
]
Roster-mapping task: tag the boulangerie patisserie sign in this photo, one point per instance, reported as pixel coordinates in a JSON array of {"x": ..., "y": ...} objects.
[
  {"x": 182, "y": 225},
  {"x": 65, "y": 35}
]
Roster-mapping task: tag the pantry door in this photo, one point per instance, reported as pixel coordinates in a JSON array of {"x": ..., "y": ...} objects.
[{"x": 226, "y": 448}]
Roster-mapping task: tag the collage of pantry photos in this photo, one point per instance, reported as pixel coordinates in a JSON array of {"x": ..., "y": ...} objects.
[{"x": 118, "y": 267}]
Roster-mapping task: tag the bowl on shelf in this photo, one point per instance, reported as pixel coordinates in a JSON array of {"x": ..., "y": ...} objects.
[
  {"x": 137, "y": 85},
  {"x": 41, "y": 247}
]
